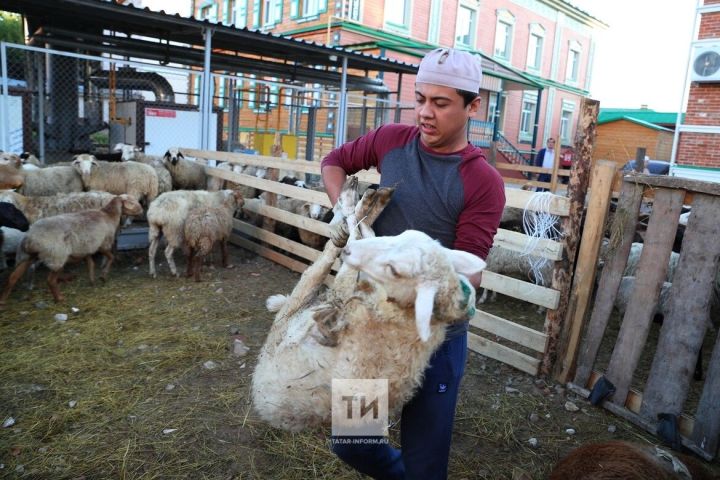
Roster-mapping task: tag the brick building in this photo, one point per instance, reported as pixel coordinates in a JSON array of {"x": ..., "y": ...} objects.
[
  {"x": 537, "y": 54},
  {"x": 698, "y": 138}
]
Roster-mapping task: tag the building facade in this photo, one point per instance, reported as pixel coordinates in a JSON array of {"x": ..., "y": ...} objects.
[
  {"x": 698, "y": 138},
  {"x": 537, "y": 54}
]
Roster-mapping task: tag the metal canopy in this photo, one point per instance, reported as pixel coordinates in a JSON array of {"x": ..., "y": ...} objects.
[{"x": 103, "y": 26}]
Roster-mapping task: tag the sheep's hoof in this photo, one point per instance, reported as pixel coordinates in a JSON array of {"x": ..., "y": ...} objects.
[{"x": 328, "y": 326}]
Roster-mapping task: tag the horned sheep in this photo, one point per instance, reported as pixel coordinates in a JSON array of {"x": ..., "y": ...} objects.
[
  {"x": 70, "y": 237},
  {"x": 386, "y": 325},
  {"x": 167, "y": 215}
]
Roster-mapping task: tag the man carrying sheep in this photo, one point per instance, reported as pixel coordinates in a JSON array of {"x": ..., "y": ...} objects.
[{"x": 445, "y": 188}]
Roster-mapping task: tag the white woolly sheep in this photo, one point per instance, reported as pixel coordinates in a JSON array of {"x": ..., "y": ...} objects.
[
  {"x": 167, "y": 215},
  {"x": 204, "y": 227},
  {"x": 186, "y": 174},
  {"x": 133, "y": 178},
  {"x": 131, "y": 153},
  {"x": 12, "y": 219},
  {"x": 71, "y": 237},
  {"x": 507, "y": 262},
  {"x": 43, "y": 181},
  {"x": 385, "y": 325},
  {"x": 29, "y": 160},
  {"x": 306, "y": 209},
  {"x": 36, "y": 208},
  {"x": 10, "y": 239}
]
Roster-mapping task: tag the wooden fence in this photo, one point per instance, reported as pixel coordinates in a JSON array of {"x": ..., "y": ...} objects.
[
  {"x": 520, "y": 346},
  {"x": 685, "y": 325}
]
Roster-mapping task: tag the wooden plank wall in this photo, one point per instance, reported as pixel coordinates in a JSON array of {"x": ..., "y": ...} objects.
[
  {"x": 299, "y": 256},
  {"x": 685, "y": 324}
]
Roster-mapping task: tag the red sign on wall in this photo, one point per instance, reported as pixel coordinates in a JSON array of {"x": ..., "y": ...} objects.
[{"x": 159, "y": 112}]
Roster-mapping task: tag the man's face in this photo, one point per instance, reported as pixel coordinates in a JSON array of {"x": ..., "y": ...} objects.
[
  {"x": 551, "y": 144},
  {"x": 442, "y": 117}
]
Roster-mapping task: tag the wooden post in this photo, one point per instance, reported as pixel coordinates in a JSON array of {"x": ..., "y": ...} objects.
[
  {"x": 621, "y": 238},
  {"x": 684, "y": 327},
  {"x": 272, "y": 174},
  {"x": 577, "y": 189},
  {"x": 706, "y": 433},
  {"x": 584, "y": 277},
  {"x": 640, "y": 159},
  {"x": 554, "y": 175},
  {"x": 651, "y": 273}
]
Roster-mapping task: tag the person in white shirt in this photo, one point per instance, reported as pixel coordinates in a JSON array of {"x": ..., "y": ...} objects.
[{"x": 545, "y": 158}]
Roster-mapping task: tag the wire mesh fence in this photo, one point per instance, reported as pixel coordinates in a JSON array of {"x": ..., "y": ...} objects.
[{"x": 56, "y": 104}]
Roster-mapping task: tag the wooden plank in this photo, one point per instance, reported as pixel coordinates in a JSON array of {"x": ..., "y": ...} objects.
[
  {"x": 643, "y": 423},
  {"x": 515, "y": 197},
  {"x": 584, "y": 278},
  {"x": 525, "y": 183},
  {"x": 299, "y": 221},
  {"x": 306, "y": 194},
  {"x": 517, "y": 242},
  {"x": 570, "y": 226},
  {"x": 707, "y": 429},
  {"x": 277, "y": 257},
  {"x": 520, "y": 334},
  {"x": 684, "y": 327},
  {"x": 626, "y": 214},
  {"x": 529, "y": 292},
  {"x": 652, "y": 269},
  {"x": 490, "y": 349},
  {"x": 685, "y": 184},
  {"x": 522, "y": 168}
]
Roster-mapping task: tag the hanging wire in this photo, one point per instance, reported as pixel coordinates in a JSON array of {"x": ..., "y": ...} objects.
[{"x": 539, "y": 223}]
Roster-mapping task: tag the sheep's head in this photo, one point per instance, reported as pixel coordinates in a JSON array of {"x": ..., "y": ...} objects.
[
  {"x": 130, "y": 205},
  {"x": 84, "y": 163},
  {"x": 411, "y": 266},
  {"x": 313, "y": 210},
  {"x": 10, "y": 177},
  {"x": 173, "y": 156},
  {"x": 233, "y": 199},
  {"x": 13, "y": 217},
  {"x": 128, "y": 151},
  {"x": 12, "y": 159}
]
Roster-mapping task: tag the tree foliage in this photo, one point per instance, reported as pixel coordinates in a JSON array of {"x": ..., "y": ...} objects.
[{"x": 11, "y": 29}]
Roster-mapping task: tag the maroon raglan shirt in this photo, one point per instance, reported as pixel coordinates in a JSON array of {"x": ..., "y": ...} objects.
[{"x": 456, "y": 198}]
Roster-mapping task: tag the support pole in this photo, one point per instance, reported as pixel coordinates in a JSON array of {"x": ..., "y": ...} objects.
[
  {"x": 41, "y": 107},
  {"x": 4, "y": 100},
  {"x": 206, "y": 93},
  {"x": 342, "y": 107}
]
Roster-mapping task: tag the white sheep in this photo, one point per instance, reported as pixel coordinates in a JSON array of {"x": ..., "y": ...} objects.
[
  {"x": 186, "y": 174},
  {"x": 305, "y": 209},
  {"x": 10, "y": 239},
  {"x": 132, "y": 178},
  {"x": 167, "y": 215},
  {"x": 385, "y": 324},
  {"x": 70, "y": 237},
  {"x": 131, "y": 153},
  {"x": 36, "y": 208},
  {"x": 204, "y": 227},
  {"x": 507, "y": 262},
  {"x": 42, "y": 181}
]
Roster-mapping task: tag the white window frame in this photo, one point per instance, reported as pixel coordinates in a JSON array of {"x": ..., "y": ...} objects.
[
  {"x": 474, "y": 14},
  {"x": 572, "y": 69},
  {"x": 566, "y": 125},
  {"x": 506, "y": 20},
  {"x": 435, "y": 21},
  {"x": 404, "y": 26},
  {"x": 527, "y": 116},
  {"x": 535, "y": 55}
]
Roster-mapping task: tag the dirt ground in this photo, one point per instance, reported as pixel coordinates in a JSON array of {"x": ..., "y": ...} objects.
[{"x": 140, "y": 382}]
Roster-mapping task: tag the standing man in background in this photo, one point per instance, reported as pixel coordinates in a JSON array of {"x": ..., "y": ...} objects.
[
  {"x": 445, "y": 188},
  {"x": 545, "y": 158}
]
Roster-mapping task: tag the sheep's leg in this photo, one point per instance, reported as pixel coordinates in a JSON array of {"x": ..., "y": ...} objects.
[
  {"x": 224, "y": 253},
  {"x": 52, "y": 281},
  {"x": 197, "y": 267},
  {"x": 483, "y": 297},
  {"x": 91, "y": 268},
  {"x": 171, "y": 262},
  {"x": 152, "y": 250},
  {"x": 190, "y": 263},
  {"x": 19, "y": 271},
  {"x": 106, "y": 268}
]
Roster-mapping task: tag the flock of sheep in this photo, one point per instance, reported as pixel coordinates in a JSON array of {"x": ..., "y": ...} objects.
[{"x": 191, "y": 210}]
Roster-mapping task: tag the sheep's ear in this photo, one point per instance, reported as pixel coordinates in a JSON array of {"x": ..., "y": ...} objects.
[
  {"x": 465, "y": 263},
  {"x": 180, "y": 155},
  {"x": 424, "y": 304},
  {"x": 167, "y": 155},
  {"x": 305, "y": 209}
]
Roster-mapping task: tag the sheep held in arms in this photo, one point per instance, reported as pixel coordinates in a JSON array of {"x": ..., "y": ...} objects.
[{"x": 383, "y": 318}]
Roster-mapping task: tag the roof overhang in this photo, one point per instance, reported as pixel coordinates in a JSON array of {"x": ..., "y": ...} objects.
[{"x": 106, "y": 27}]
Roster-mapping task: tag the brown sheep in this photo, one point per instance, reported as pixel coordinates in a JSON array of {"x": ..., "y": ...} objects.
[{"x": 204, "y": 227}]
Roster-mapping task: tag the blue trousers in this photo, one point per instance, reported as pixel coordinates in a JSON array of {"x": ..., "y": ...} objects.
[
  {"x": 425, "y": 427},
  {"x": 543, "y": 177}
]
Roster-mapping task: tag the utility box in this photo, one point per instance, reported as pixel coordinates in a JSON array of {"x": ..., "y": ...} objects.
[{"x": 155, "y": 127}]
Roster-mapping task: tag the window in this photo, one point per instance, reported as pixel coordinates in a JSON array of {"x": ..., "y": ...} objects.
[
  {"x": 240, "y": 15},
  {"x": 493, "y": 107},
  {"x": 353, "y": 10},
  {"x": 566, "y": 122},
  {"x": 573, "y": 63},
  {"x": 434, "y": 23},
  {"x": 527, "y": 115},
  {"x": 307, "y": 8},
  {"x": 535, "y": 47},
  {"x": 504, "y": 34},
  {"x": 397, "y": 15},
  {"x": 266, "y": 13},
  {"x": 209, "y": 11},
  {"x": 466, "y": 26},
  {"x": 230, "y": 12}
]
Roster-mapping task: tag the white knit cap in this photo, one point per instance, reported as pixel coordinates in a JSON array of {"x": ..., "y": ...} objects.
[{"x": 451, "y": 68}]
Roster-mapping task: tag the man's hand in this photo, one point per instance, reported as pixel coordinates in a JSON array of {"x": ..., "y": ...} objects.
[{"x": 339, "y": 234}]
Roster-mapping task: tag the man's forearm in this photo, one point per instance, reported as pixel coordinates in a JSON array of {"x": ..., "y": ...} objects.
[{"x": 333, "y": 178}]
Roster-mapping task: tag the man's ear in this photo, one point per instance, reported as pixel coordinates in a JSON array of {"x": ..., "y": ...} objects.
[{"x": 474, "y": 106}]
